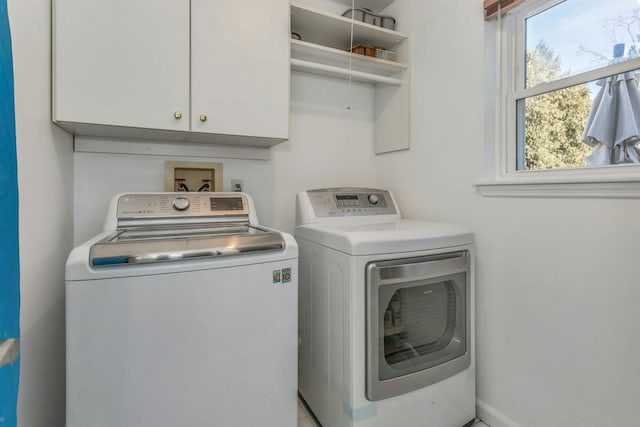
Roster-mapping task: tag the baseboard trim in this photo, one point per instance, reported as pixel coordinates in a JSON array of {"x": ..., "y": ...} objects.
[{"x": 492, "y": 417}]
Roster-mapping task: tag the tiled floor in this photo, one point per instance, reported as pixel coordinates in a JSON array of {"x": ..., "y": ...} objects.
[{"x": 306, "y": 420}]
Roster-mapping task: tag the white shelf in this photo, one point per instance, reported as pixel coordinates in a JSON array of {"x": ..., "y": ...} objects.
[
  {"x": 374, "y": 5},
  {"x": 328, "y": 70},
  {"x": 311, "y": 52},
  {"x": 318, "y": 27},
  {"x": 325, "y": 49}
]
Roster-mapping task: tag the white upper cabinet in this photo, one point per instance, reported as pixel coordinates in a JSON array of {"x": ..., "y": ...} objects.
[
  {"x": 122, "y": 63},
  {"x": 179, "y": 70},
  {"x": 240, "y": 67}
]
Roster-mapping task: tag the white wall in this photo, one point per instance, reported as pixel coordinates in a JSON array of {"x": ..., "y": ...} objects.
[
  {"x": 558, "y": 286},
  {"x": 101, "y": 176},
  {"x": 331, "y": 142},
  {"x": 45, "y": 175},
  {"x": 330, "y": 145}
]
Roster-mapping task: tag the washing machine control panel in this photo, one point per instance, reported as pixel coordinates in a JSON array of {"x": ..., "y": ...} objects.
[
  {"x": 339, "y": 202},
  {"x": 166, "y": 205}
]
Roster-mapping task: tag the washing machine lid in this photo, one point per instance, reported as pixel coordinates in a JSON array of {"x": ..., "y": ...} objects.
[
  {"x": 386, "y": 237},
  {"x": 166, "y": 244}
]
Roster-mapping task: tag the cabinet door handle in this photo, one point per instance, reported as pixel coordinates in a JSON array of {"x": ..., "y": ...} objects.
[
  {"x": 177, "y": 115},
  {"x": 203, "y": 117}
]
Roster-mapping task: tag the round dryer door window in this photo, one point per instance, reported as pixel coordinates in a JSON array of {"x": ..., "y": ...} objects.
[{"x": 417, "y": 322}]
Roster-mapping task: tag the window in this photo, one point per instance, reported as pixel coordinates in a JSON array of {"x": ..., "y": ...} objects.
[{"x": 568, "y": 105}]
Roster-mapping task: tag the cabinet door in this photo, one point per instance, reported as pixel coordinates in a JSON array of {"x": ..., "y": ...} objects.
[
  {"x": 122, "y": 62},
  {"x": 240, "y": 67}
]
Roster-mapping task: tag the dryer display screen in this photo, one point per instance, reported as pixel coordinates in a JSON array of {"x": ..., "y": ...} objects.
[{"x": 344, "y": 200}]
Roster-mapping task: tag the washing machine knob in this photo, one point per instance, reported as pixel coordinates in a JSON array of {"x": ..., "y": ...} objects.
[
  {"x": 180, "y": 203},
  {"x": 373, "y": 199}
]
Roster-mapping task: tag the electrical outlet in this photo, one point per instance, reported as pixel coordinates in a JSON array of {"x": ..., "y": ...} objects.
[{"x": 236, "y": 185}]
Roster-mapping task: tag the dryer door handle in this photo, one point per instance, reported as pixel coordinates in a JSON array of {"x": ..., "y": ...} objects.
[
  {"x": 9, "y": 351},
  {"x": 399, "y": 271}
]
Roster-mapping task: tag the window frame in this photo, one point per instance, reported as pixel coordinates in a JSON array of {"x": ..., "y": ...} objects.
[{"x": 614, "y": 181}]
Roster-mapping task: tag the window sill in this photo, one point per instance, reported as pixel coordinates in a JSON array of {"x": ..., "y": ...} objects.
[{"x": 561, "y": 188}]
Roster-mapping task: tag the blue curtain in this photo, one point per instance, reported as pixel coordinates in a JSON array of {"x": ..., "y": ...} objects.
[{"x": 9, "y": 265}]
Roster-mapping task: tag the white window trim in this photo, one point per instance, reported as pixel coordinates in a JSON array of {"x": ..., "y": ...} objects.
[{"x": 619, "y": 181}]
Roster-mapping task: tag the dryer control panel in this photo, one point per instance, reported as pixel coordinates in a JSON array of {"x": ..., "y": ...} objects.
[{"x": 340, "y": 202}]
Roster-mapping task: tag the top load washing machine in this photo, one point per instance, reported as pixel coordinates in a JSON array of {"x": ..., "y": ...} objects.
[
  {"x": 183, "y": 312},
  {"x": 386, "y": 310}
]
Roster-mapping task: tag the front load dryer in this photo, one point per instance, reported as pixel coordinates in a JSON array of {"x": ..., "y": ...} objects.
[
  {"x": 386, "y": 313},
  {"x": 183, "y": 312}
]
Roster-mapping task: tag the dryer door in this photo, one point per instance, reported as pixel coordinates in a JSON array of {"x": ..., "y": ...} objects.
[{"x": 417, "y": 322}]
